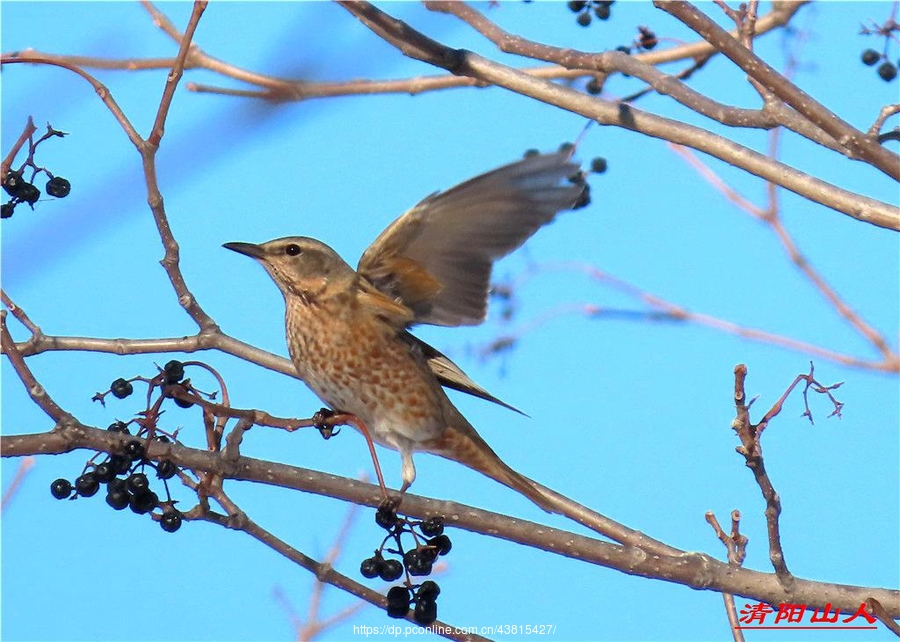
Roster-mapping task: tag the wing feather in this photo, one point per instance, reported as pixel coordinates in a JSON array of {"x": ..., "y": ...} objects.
[{"x": 436, "y": 259}]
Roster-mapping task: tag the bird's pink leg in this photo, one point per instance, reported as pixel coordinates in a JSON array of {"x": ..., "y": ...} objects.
[{"x": 359, "y": 424}]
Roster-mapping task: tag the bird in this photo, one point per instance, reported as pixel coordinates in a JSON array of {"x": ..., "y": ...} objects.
[{"x": 348, "y": 331}]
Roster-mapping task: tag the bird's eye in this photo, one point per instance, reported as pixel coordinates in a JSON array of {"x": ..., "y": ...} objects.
[{"x": 292, "y": 249}]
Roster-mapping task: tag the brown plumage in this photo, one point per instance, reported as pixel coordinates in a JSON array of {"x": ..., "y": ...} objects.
[{"x": 347, "y": 330}]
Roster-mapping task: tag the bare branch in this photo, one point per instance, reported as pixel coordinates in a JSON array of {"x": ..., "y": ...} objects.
[
  {"x": 35, "y": 390},
  {"x": 416, "y": 45},
  {"x": 175, "y": 75},
  {"x": 663, "y": 310},
  {"x": 24, "y": 466},
  {"x": 862, "y": 146},
  {"x": 27, "y": 132},
  {"x": 696, "y": 570},
  {"x": 886, "y": 112},
  {"x": 99, "y": 87},
  {"x": 770, "y": 216}
]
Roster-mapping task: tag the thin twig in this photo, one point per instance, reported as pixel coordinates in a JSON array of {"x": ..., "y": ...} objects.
[
  {"x": 27, "y": 132},
  {"x": 99, "y": 87},
  {"x": 175, "y": 74},
  {"x": 886, "y": 112},
  {"x": 736, "y": 546},
  {"x": 35, "y": 390},
  {"x": 770, "y": 216},
  {"x": 24, "y": 466},
  {"x": 662, "y": 310},
  {"x": 751, "y": 449},
  {"x": 21, "y": 316},
  {"x": 858, "y": 143},
  {"x": 324, "y": 572},
  {"x": 875, "y": 608},
  {"x": 147, "y": 150}
]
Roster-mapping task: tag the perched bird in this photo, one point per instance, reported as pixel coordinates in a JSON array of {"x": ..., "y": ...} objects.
[{"x": 348, "y": 330}]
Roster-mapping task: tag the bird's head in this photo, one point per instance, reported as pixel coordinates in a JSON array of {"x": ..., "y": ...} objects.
[{"x": 299, "y": 265}]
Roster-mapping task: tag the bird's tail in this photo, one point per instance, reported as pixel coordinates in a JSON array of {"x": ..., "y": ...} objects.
[{"x": 466, "y": 446}]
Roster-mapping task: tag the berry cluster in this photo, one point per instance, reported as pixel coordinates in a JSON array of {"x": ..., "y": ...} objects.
[
  {"x": 887, "y": 70},
  {"x": 126, "y": 480},
  {"x": 127, "y": 473},
  {"x": 598, "y": 166},
  {"x": 600, "y": 8},
  {"x": 430, "y": 543},
  {"x": 171, "y": 381},
  {"x": 646, "y": 39},
  {"x": 21, "y": 190}
]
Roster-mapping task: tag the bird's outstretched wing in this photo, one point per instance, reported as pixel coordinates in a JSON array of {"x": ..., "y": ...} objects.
[
  {"x": 451, "y": 375},
  {"x": 436, "y": 259}
]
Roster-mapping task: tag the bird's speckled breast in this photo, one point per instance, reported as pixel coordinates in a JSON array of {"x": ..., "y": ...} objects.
[{"x": 356, "y": 363}]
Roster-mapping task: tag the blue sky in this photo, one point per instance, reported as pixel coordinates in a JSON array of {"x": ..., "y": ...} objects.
[{"x": 629, "y": 417}]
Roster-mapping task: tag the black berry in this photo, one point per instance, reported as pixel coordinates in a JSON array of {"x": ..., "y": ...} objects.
[
  {"x": 429, "y": 553},
  {"x": 386, "y": 517},
  {"x": 166, "y": 469},
  {"x": 647, "y": 38},
  {"x": 183, "y": 403},
  {"x": 117, "y": 498},
  {"x": 887, "y": 71},
  {"x": 598, "y": 165},
  {"x": 29, "y": 193},
  {"x": 170, "y": 520},
  {"x": 138, "y": 483},
  {"x": 391, "y": 570},
  {"x": 121, "y": 388},
  {"x": 584, "y": 19},
  {"x": 870, "y": 57},
  {"x": 398, "y": 601},
  {"x": 578, "y": 178},
  {"x": 120, "y": 464},
  {"x": 565, "y": 148},
  {"x": 104, "y": 472},
  {"x": 13, "y": 182},
  {"x": 584, "y": 199},
  {"x": 432, "y": 527},
  {"x": 87, "y": 485},
  {"x": 134, "y": 449},
  {"x": 371, "y": 567},
  {"x": 143, "y": 502},
  {"x": 593, "y": 86},
  {"x": 428, "y": 590},
  {"x": 425, "y": 612},
  {"x": 576, "y": 5},
  {"x": 174, "y": 371},
  {"x": 7, "y": 209},
  {"x": 441, "y": 543},
  {"x": 58, "y": 187},
  {"x": 119, "y": 426},
  {"x": 602, "y": 11},
  {"x": 61, "y": 488},
  {"x": 417, "y": 562}
]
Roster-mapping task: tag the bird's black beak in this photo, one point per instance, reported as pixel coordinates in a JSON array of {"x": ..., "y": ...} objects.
[{"x": 247, "y": 249}]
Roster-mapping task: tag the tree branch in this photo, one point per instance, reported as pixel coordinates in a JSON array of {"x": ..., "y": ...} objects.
[
  {"x": 862, "y": 146},
  {"x": 416, "y": 45},
  {"x": 696, "y": 570}
]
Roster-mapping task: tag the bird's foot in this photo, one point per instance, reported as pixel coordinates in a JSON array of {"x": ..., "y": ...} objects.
[{"x": 323, "y": 422}]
